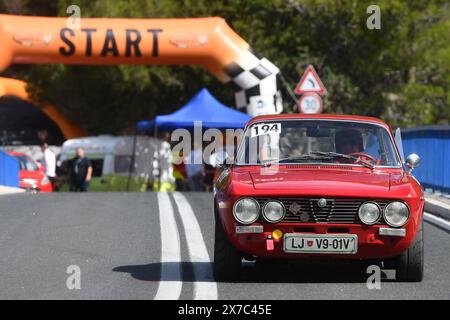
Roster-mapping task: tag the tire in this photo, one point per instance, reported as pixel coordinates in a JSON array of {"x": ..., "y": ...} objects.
[
  {"x": 227, "y": 259},
  {"x": 409, "y": 264}
]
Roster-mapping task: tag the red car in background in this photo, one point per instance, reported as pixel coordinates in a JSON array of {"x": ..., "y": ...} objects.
[
  {"x": 31, "y": 176},
  {"x": 325, "y": 187}
]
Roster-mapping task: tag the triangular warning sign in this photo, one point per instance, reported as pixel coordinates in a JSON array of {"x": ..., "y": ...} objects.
[{"x": 310, "y": 82}]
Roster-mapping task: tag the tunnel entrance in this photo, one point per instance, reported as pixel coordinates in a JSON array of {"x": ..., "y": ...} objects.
[{"x": 22, "y": 123}]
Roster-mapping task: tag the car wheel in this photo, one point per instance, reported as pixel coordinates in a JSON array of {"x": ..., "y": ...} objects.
[
  {"x": 409, "y": 264},
  {"x": 227, "y": 259}
]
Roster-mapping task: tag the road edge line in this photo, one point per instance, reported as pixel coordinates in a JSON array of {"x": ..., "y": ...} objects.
[{"x": 170, "y": 251}]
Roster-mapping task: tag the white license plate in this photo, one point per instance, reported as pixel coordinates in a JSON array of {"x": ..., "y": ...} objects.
[{"x": 320, "y": 243}]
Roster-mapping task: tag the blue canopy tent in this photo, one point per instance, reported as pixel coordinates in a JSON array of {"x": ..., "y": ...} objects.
[{"x": 202, "y": 107}]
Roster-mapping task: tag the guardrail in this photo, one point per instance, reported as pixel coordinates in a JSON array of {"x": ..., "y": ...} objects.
[
  {"x": 432, "y": 144},
  {"x": 9, "y": 170}
]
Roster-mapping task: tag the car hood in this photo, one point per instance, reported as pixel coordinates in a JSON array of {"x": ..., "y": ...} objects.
[{"x": 320, "y": 180}]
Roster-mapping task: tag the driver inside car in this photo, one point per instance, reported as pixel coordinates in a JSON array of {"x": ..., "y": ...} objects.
[{"x": 349, "y": 141}]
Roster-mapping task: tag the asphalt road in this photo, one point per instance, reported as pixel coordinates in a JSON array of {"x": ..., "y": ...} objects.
[{"x": 116, "y": 241}]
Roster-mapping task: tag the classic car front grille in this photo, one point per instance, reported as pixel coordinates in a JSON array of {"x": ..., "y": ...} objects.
[{"x": 337, "y": 210}]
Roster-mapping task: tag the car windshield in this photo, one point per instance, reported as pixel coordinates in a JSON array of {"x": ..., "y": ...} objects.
[
  {"x": 27, "y": 164},
  {"x": 312, "y": 141}
]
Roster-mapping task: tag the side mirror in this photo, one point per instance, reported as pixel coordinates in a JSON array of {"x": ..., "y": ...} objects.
[
  {"x": 219, "y": 159},
  {"x": 412, "y": 161}
]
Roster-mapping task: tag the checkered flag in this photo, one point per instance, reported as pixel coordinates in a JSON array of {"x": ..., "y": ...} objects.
[{"x": 255, "y": 82}]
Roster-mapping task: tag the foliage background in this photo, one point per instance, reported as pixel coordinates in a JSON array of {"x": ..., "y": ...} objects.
[{"x": 400, "y": 73}]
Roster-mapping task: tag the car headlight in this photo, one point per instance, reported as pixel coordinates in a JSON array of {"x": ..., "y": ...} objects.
[
  {"x": 369, "y": 213},
  {"x": 246, "y": 210},
  {"x": 274, "y": 211},
  {"x": 396, "y": 214}
]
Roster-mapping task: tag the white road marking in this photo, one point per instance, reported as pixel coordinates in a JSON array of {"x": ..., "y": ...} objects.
[
  {"x": 204, "y": 285},
  {"x": 437, "y": 221},
  {"x": 170, "y": 283}
]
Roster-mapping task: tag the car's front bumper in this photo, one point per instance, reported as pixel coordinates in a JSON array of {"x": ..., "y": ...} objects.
[{"x": 372, "y": 244}]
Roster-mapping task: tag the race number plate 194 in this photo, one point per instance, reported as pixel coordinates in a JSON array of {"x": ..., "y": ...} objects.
[
  {"x": 320, "y": 243},
  {"x": 265, "y": 128}
]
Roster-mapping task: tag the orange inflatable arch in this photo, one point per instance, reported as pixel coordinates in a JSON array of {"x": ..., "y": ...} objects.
[
  {"x": 208, "y": 42},
  {"x": 17, "y": 88}
]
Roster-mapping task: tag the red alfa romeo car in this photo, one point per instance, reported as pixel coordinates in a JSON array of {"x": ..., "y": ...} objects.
[
  {"x": 319, "y": 187},
  {"x": 31, "y": 176}
]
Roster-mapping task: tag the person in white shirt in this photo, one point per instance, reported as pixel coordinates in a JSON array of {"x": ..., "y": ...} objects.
[{"x": 49, "y": 163}]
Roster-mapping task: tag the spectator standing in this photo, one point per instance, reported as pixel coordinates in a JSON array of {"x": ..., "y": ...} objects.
[
  {"x": 179, "y": 172},
  {"x": 195, "y": 169},
  {"x": 80, "y": 172},
  {"x": 49, "y": 163}
]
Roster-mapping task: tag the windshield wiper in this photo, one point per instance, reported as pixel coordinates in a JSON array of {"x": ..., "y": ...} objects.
[
  {"x": 345, "y": 156},
  {"x": 295, "y": 158}
]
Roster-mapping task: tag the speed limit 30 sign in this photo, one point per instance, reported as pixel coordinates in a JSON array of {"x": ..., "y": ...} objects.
[{"x": 310, "y": 103}]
